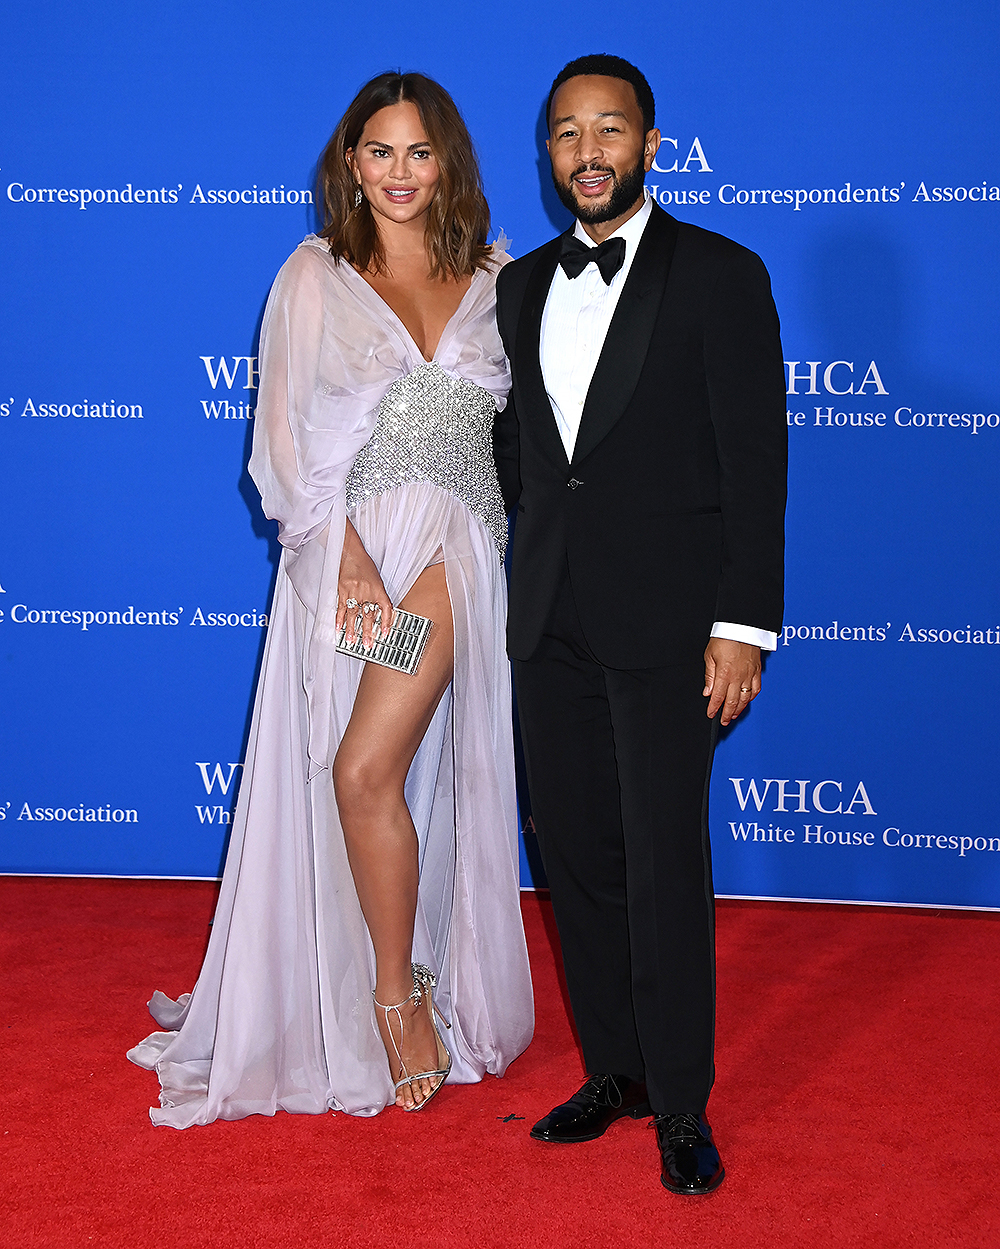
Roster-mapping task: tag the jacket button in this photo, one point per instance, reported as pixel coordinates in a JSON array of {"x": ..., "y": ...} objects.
[{"x": 573, "y": 483}]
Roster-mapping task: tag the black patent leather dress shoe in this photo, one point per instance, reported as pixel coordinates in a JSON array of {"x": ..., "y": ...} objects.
[
  {"x": 589, "y": 1113},
  {"x": 691, "y": 1162}
]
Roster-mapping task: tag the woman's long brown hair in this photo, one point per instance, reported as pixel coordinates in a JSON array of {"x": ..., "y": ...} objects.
[{"x": 458, "y": 219}]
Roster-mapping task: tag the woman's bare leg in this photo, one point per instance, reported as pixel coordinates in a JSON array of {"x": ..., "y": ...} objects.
[{"x": 391, "y": 714}]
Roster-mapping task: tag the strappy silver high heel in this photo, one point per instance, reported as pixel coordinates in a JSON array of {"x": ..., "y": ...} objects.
[{"x": 424, "y": 982}]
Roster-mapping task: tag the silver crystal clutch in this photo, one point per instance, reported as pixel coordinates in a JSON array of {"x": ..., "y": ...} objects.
[{"x": 400, "y": 649}]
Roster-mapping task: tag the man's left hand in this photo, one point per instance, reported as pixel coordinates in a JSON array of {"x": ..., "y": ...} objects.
[{"x": 732, "y": 677}]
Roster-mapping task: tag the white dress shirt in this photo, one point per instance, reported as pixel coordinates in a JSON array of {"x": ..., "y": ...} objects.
[{"x": 575, "y": 323}]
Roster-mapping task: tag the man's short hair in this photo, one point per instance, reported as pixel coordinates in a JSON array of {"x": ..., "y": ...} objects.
[{"x": 610, "y": 67}]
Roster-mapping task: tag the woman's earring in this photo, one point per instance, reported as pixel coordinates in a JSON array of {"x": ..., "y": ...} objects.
[{"x": 358, "y": 197}]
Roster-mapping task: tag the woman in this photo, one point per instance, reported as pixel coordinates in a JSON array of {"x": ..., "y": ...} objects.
[{"x": 373, "y": 846}]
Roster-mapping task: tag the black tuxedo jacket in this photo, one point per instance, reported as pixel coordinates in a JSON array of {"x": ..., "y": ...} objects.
[{"x": 671, "y": 514}]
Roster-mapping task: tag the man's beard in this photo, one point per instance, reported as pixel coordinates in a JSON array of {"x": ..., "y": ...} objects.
[{"x": 625, "y": 190}]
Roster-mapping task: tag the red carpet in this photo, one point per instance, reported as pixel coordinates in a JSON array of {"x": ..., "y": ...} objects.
[{"x": 856, "y": 1103}]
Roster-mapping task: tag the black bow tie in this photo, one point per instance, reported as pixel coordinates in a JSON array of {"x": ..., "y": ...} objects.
[{"x": 609, "y": 256}]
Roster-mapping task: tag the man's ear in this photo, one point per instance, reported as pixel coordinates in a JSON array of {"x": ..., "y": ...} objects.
[{"x": 651, "y": 148}]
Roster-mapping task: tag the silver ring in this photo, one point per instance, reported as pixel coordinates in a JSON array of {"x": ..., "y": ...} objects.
[
  {"x": 351, "y": 602},
  {"x": 744, "y": 690},
  {"x": 368, "y": 608}
]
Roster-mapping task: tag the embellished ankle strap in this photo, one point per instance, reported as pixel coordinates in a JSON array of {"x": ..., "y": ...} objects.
[
  {"x": 423, "y": 978},
  {"x": 424, "y": 981}
]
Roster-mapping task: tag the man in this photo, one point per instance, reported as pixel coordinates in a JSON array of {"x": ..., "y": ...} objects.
[{"x": 644, "y": 447}]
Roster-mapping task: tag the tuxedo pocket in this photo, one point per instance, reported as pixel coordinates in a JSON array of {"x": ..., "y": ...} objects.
[{"x": 668, "y": 515}]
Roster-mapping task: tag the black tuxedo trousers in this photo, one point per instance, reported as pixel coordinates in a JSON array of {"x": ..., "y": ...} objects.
[{"x": 618, "y": 766}]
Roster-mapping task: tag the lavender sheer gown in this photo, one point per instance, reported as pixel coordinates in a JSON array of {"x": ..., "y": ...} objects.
[{"x": 353, "y": 421}]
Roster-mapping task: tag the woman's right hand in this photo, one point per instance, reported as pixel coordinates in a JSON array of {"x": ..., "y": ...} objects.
[{"x": 360, "y": 582}]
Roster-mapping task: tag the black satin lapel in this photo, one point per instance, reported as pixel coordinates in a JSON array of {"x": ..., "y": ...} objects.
[
  {"x": 629, "y": 334},
  {"x": 533, "y": 402}
]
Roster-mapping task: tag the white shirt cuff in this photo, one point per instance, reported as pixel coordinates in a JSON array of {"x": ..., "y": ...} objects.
[{"x": 745, "y": 633}]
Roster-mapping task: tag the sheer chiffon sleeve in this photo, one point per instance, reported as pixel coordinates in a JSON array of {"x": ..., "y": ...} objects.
[{"x": 322, "y": 374}]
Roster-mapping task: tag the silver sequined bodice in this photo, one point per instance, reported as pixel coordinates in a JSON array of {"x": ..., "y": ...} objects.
[{"x": 437, "y": 428}]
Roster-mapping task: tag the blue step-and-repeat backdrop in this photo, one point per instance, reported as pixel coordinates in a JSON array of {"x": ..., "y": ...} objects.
[{"x": 156, "y": 168}]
